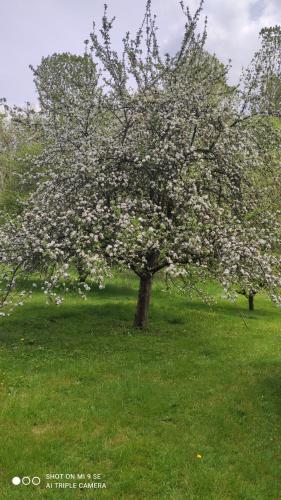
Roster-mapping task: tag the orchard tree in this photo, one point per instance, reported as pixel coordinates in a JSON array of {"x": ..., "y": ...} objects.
[
  {"x": 6, "y": 143},
  {"x": 69, "y": 96},
  {"x": 262, "y": 95},
  {"x": 248, "y": 278},
  {"x": 147, "y": 166},
  {"x": 19, "y": 144},
  {"x": 263, "y": 76}
]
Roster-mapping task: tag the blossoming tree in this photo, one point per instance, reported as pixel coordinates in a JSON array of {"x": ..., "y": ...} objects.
[
  {"x": 263, "y": 76},
  {"x": 148, "y": 165}
]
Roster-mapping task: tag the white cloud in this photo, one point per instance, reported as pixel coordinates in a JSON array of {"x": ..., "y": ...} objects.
[
  {"x": 34, "y": 29},
  {"x": 233, "y": 28}
]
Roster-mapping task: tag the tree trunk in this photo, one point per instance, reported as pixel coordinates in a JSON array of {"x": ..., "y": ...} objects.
[
  {"x": 82, "y": 272},
  {"x": 141, "y": 316},
  {"x": 251, "y": 300}
]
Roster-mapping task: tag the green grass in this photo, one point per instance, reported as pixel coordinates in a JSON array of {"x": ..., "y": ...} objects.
[{"x": 81, "y": 392}]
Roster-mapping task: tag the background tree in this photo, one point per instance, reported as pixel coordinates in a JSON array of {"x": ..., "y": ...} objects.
[
  {"x": 267, "y": 181},
  {"x": 68, "y": 94},
  {"x": 20, "y": 142},
  {"x": 263, "y": 76},
  {"x": 262, "y": 95}
]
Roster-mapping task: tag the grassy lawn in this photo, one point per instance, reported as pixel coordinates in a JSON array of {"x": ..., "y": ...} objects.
[{"x": 81, "y": 392}]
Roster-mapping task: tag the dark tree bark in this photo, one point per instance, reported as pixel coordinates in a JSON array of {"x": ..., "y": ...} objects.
[
  {"x": 82, "y": 272},
  {"x": 141, "y": 315},
  {"x": 251, "y": 300}
]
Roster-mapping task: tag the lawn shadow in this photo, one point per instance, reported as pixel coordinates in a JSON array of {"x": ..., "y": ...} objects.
[
  {"x": 110, "y": 311},
  {"x": 269, "y": 383},
  {"x": 229, "y": 308}
]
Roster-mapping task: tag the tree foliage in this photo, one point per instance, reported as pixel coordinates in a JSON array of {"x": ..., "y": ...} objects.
[
  {"x": 19, "y": 144},
  {"x": 263, "y": 76}
]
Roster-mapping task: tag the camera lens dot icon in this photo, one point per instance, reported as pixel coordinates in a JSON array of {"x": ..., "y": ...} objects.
[{"x": 16, "y": 480}]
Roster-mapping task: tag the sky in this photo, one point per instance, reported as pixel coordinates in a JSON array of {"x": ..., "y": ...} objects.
[{"x": 32, "y": 29}]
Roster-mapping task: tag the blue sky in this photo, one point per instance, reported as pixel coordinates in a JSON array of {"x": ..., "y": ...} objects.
[{"x": 31, "y": 29}]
